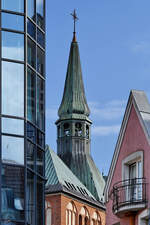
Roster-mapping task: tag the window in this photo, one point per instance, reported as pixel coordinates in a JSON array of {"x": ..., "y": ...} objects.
[
  {"x": 30, "y": 155},
  {"x": 12, "y": 45},
  {"x": 15, "y": 5},
  {"x": 31, "y": 29},
  {"x": 78, "y": 129},
  {"x": 40, "y": 38},
  {"x": 87, "y": 131},
  {"x": 30, "y": 198},
  {"x": 39, "y": 161},
  {"x": 96, "y": 219},
  {"x": 31, "y": 85},
  {"x": 31, "y": 53},
  {"x": 84, "y": 216},
  {"x": 12, "y": 126},
  {"x": 40, "y": 61},
  {"x": 40, "y": 103},
  {"x": 39, "y": 200},
  {"x": 132, "y": 173},
  {"x": 71, "y": 214},
  {"x": 31, "y": 9},
  {"x": 48, "y": 209},
  {"x": 12, "y": 150},
  {"x": 40, "y": 13},
  {"x": 12, "y": 193},
  {"x": 12, "y": 89},
  {"x": 66, "y": 129},
  {"x": 12, "y": 21}
]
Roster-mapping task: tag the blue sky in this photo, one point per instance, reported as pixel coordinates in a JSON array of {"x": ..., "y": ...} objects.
[{"x": 114, "y": 43}]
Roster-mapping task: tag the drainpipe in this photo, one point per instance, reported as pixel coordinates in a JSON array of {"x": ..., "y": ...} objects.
[{"x": 132, "y": 220}]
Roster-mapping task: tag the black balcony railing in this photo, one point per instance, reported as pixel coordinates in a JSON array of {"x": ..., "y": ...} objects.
[{"x": 129, "y": 192}]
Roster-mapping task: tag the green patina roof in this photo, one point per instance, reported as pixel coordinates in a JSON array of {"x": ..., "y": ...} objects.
[{"x": 74, "y": 101}]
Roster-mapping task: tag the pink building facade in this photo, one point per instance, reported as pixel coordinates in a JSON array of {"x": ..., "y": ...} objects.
[{"x": 127, "y": 191}]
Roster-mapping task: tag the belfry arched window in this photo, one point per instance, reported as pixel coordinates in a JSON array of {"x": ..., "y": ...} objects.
[
  {"x": 96, "y": 219},
  {"x": 78, "y": 129},
  {"x": 84, "y": 218},
  {"x": 66, "y": 129},
  {"x": 87, "y": 131},
  {"x": 71, "y": 214},
  {"x": 48, "y": 212}
]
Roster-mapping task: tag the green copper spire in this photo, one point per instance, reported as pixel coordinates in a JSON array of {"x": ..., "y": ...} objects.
[{"x": 74, "y": 104}]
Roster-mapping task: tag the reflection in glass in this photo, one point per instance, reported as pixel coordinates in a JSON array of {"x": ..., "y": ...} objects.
[
  {"x": 40, "y": 61},
  {"x": 30, "y": 198},
  {"x": 40, "y": 38},
  {"x": 12, "y": 150},
  {"x": 40, "y": 13},
  {"x": 12, "y": 89},
  {"x": 12, "y": 21},
  {"x": 31, "y": 53},
  {"x": 31, "y": 29},
  {"x": 40, "y": 139},
  {"x": 12, "y": 45},
  {"x": 13, "y": 5},
  {"x": 12, "y": 126},
  {"x": 39, "y": 161},
  {"x": 30, "y": 155},
  {"x": 31, "y": 9},
  {"x": 39, "y": 201},
  {"x": 12, "y": 193},
  {"x": 31, "y": 132},
  {"x": 31, "y": 96},
  {"x": 40, "y": 103}
]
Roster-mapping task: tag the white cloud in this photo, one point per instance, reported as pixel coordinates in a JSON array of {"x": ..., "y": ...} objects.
[
  {"x": 105, "y": 130},
  {"x": 141, "y": 47},
  {"x": 108, "y": 111}
]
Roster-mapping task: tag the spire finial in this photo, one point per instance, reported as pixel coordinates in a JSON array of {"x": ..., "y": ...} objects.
[{"x": 75, "y": 18}]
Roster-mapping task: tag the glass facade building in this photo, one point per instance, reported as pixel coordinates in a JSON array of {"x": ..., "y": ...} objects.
[{"x": 22, "y": 111}]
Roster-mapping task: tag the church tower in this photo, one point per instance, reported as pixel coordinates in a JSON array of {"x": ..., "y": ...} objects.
[{"x": 74, "y": 127}]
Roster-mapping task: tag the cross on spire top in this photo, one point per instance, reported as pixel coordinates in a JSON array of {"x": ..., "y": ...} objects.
[{"x": 75, "y": 18}]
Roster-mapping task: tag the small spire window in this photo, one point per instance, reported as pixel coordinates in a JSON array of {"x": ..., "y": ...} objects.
[
  {"x": 78, "y": 129},
  {"x": 66, "y": 129},
  {"x": 87, "y": 131}
]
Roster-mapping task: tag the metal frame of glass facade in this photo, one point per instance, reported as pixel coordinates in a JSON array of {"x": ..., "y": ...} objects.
[{"x": 22, "y": 112}]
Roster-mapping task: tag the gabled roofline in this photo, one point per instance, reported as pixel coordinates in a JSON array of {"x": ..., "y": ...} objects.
[{"x": 131, "y": 102}]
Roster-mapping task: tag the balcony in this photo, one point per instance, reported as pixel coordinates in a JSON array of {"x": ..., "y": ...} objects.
[{"x": 129, "y": 196}]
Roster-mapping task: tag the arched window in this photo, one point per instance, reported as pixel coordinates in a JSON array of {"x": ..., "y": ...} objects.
[
  {"x": 71, "y": 214},
  {"x": 87, "y": 131},
  {"x": 84, "y": 215},
  {"x": 78, "y": 129},
  {"x": 96, "y": 219},
  {"x": 48, "y": 210},
  {"x": 66, "y": 129}
]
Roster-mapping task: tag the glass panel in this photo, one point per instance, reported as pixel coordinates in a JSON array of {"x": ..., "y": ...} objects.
[
  {"x": 31, "y": 132},
  {"x": 12, "y": 45},
  {"x": 39, "y": 199},
  {"x": 40, "y": 161},
  {"x": 12, "y": 21},
  {"x": 31, "y": 29},
  {"x": 12, "y": 89},
  {"x": 40, "y": 38},
  {"x": 31, "y": 96},
  {"x": 12, "y": 193},
  {"x": 31, "y": 53},
  {"x": 31, "y": 9},
  {"x": 40, "y": 61},
  {"x": 40, "y": 13},
  {"x": 12, "y": 126},
  {"x": 40, "y": 139},
  {"x": 30, "y": 199},
  {"x": 12, "y": 150},
  {"x": 30, "y": 155},
  {"x": 13, "y": 5},
  {"x": 40, "y": 103}
]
